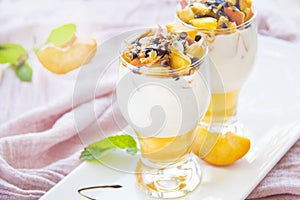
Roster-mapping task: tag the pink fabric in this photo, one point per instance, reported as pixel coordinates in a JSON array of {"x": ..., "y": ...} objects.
[
  {"x": 283, "y": 180},
  {"x": 39, "y": 140},
  {"x": 40, "y": 147}
]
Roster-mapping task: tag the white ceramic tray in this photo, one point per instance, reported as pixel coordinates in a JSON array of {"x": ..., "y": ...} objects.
[{"x": 269, "y": 107}]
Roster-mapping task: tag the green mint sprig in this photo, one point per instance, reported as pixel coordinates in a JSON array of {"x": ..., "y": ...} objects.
[
  {"x": 61, "y": 35},
  {"x": 98, "y": 149},
  {"x": 16, "y": 56}
]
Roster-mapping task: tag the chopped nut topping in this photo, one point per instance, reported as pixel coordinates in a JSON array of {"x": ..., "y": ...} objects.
[
  {"x": 153, "y": 54},
  {"x": 164, "y": 50},
  {"x": 228, "y": 13}
]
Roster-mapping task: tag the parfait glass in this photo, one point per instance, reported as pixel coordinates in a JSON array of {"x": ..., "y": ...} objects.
[
  {"x": 232, "y": 52},
  {"x": 164, "y": 107}
]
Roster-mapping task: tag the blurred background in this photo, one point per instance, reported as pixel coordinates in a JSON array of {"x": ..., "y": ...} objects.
[
  {"x": 29, "y": 22},
  {"x": 279, "y": 18}
]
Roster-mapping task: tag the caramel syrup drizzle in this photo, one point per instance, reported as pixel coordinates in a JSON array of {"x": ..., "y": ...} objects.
[{"x": 96, "y": 187}]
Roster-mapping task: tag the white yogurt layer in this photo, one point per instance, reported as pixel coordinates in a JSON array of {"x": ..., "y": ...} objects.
[
  {"x": 231, "y": 59},
  {"x": 161, "y": 107}
]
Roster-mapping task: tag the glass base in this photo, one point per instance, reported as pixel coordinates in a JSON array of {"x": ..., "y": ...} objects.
[{"x": 172, "y": 181}]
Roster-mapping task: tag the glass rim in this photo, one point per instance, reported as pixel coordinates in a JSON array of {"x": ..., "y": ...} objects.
[
  {"x": 153, "y": 71},
  {"x": 218, "y": 30}
]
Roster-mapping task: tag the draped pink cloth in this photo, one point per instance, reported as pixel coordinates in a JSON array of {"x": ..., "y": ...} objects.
[{"x": 40, "y": 141}]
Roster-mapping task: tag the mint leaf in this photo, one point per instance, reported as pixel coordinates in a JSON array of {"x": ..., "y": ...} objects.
[
  {"x": 12, "y": 54},
  {"x": 24, "y": 72},
  {"x": 123, "y": 141},
  {"x": 61, "y": 34},
  {"x": 98, "y": 149},
  {"x": 16, "y": 56}
]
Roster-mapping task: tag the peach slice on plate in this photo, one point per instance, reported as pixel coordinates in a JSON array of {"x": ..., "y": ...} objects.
[{"x": 220, "y": 149}]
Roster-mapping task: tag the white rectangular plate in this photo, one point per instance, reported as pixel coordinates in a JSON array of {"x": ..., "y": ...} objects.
[{"x": 269, "y": 108}]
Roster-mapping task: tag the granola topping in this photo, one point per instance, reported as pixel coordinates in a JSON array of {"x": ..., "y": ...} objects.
[
  {"x": 166, "y": 51},
  {"x": 216, "y": 15}
]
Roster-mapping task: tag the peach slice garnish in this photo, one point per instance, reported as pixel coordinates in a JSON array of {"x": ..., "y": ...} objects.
[
  {"x": 235, "y": 15},
  {"x": 200, "y": 9},
  {"x": 244, "y": 4},
  {"x": 178, "y": 28},
  {"x": 195, "y": 50},
  {"x": 220, "y": 149},
  {"x": 179, "y": 60},
  {"x": 208, "y": 23},
  {"x": 186, "y": 14},
  {"x": 65, "y": 58}
]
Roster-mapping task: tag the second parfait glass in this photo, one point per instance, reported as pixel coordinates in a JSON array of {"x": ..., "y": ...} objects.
[{"x": 232, "y": 51}]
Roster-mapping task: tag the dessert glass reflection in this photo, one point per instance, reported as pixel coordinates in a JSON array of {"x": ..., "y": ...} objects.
[
  {"x": 162, "y": 93},
  {"x": 229, "y": 27}
]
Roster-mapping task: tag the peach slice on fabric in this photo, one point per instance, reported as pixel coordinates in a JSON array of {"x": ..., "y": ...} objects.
[
  {"x": 220, "y": 149},
  {"x": 63, "y": 60},
  {"x": 63, "y": 51}
]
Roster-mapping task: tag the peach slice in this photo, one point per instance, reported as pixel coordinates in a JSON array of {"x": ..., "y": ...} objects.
[
  {"x": 63, "y": 59},
  {"x": 186, "y": 14},
  {"x": 208, "y": 23},
  {"x": 200, "y": 9},
  {"x": 231, "y": 26},
  {"x": 235, "y": 15},
  {"x": 249, "y": 13},
  {"x": 183, "y": 3},
  {"x": 244, "y": 4},
  {"x": 70, "y": 42},
  {"x": 136, "y": 62},
  {"x": 126, "y": 56},
  {"x": 246, "y": 7},
  {"x": 178, "y": 28},
  {"x": 232, "y": 2},
  {"x": 178, "y": 59},
  {"x": 220, "y": 149},
  {"x": 195, "y": 50}
]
